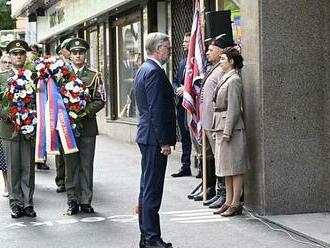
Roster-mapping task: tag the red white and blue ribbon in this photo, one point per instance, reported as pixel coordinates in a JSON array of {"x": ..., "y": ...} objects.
[{"x": 53, "y": 123}]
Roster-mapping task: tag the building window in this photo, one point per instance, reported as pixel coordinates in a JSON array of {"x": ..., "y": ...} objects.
[{"x": 128, "y": 50}]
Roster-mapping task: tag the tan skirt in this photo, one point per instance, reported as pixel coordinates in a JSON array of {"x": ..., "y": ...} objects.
[{"x": 231, "y": 157}]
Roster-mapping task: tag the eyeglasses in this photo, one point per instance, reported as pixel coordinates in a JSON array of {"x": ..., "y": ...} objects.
[{"x": 6, "y": 62}]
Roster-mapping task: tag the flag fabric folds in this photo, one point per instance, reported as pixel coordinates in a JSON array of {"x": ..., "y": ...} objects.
[{"x": 195, "y": 72}]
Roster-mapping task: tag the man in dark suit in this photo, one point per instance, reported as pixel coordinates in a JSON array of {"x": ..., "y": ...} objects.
[
  {"x": 178, "y": 87},
  {"x": 155, "y": 136},
  {"x": 79, "y": 165}
]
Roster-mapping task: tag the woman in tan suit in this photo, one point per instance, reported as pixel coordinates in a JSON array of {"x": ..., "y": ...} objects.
[{"x": 229, "y": 132}]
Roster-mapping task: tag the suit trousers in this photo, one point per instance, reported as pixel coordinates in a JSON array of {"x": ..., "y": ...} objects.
[
  {"x": 153, "y": 167},
  {"x": 60, "y": 168},
  {"x": 79, "y": 171},
  {"x": 185, "y": 136},
  {"x": 21, "y": 171}
]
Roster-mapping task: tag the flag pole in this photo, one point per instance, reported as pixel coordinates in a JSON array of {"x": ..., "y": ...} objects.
[
  {"x": 204, "y": 165},
  {"x": 201, "y": 5}
]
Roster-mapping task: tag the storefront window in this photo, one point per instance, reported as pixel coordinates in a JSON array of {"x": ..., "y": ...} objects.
[{"x": 128, "y": 61}]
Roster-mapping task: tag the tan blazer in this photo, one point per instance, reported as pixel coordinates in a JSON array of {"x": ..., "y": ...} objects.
[
  {"x": 228, "y": 97},
  {"x": 208, "y": 85}
]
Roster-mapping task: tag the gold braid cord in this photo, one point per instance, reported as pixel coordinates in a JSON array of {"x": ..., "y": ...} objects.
[{"x": 95, "y": 81}]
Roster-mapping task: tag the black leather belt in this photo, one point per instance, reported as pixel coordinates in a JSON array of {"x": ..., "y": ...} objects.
[{"x": 219, "y": 109}]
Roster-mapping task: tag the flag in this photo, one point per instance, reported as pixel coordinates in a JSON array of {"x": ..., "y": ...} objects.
[{"x": 195, "y": 72}]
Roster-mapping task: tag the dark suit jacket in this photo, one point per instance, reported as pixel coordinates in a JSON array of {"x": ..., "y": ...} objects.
[
  {"x": 179, "y": 77},
  {"x": 155, "y": 102}
]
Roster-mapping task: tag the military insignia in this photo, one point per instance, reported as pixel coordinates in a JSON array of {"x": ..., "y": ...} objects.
[
  {"x": 77, "y": 43},
  {"x": 18, "y": 44}
]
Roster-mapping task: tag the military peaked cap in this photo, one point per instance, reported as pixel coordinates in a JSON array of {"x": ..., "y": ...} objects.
[
  {"x": 17, "y": 45},
  {"x": 77, "y": 44},
  {"x": 65, "y": 43},
  {"x": 221, "y": 41}
]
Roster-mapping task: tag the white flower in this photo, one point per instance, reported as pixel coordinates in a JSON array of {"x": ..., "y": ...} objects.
[
  {"x": 65, "y": 100},
  {"x": 28, "y": 74},
  {"x": 24, "y": 116},
  {"x": 20, "y": 82},
  {"x": 74, "y": 100},
  {"x": 74, "y": 125},
  {"x": 34, "y": 121},
  {"x": 69, "y": 85},
  {"x": 76, "y": 89},
  {"x": 40, "y": 66},
  {"x": 73, "y": 115},
  {"x": 16, "y": 95},
  {"x": 22, "y": 94}
]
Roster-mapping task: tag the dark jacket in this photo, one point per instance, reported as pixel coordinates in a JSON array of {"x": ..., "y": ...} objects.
[{"x": 155, "y": 102}]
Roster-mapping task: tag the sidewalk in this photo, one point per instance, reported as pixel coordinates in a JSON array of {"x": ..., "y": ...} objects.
[{"x": 314, "y": 227}]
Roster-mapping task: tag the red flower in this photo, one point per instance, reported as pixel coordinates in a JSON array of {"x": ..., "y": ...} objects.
[
  {"x": 75, "y": 95},
  {"x": 27, "y": 99},
  {"x": 27, "y": 121},
  {"x": 13, "y": 109},
  {"x": 63, "y": 91},
  {"x": 65, "y": 70},
  {"x": 21, "y": 72},
  {"x": 10, "y": 96},
  {"x": 72, "y": 77}
]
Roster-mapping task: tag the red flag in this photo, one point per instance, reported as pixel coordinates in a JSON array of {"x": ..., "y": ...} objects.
[{"x": 195, "y": 72}]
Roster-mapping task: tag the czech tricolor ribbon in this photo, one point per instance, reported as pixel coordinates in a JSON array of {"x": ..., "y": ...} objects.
[{"x": 53, "y": 124}]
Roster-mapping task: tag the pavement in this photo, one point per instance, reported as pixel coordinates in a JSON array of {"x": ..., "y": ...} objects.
[{"x": 185, "y": 223}]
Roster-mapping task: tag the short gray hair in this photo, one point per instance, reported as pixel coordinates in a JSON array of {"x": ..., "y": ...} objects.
[{"x": 155, "y": 40}]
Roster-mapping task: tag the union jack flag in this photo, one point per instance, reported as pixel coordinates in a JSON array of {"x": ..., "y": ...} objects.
[{"x": 195, "y": 72}]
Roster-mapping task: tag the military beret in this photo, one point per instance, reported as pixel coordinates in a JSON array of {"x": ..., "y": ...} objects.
[
  {"x": 77, "y": 44},
  {"x": 17, "y": 45},
  {"x": 65, "y": 42},
  {"x": 221, "y": 41}
]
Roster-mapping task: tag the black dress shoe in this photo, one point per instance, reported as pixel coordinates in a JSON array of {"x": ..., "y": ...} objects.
[
  {"x": 142, "y": 243},
  {"x": 182, "y": 173},
  {"x": 218, "y": 203},
  {"x": 213, "y": 199},
  {"x": 192, "y": 195},
  {"x": 42, "y": 166},
  {"x": 73, "y": 208},
  {"x": 17, "y": 212},
  {"x": 29, "y": 212},
  {"x": 86, "y": 208},
  {"x": 60, "y": 189},
  {"x": 157, "y": 244},
  {"x": 209, "y": 194}
]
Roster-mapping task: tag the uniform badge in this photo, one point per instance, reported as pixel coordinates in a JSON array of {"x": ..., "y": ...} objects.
[
  {"x": 18, "y": 44},
  {"x": 77, "y": 43}
]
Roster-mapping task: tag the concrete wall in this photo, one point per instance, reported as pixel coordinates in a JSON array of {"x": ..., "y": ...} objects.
[{"x": 286, "y": 83}]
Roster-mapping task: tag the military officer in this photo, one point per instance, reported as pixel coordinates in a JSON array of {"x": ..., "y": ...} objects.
[
  {"x": 79, "y": 166},
  {"x": 18, "y": 151}
]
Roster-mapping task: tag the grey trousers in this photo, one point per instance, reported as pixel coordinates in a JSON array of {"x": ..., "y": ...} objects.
[
  {"x": 79, "y": 171},
  {"x": 19, "y": 157}
]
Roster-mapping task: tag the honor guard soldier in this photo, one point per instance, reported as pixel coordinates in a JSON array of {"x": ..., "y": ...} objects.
[
  {"x": 18, "y": 150},
  {"x": 79, "y": 166}
]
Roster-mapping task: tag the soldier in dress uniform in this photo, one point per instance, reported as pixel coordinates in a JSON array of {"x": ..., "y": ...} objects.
[
  {"x": 18, "y": 151},
  {"x": 79, "y": 166}
]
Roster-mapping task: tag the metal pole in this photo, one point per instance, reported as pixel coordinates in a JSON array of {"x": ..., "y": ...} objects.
[{"x": 204, "y": 165}]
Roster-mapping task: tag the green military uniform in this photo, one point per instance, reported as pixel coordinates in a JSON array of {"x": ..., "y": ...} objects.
[
  {"x": 18, "y": 151},
  {"x": 79, "y": 166}
]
